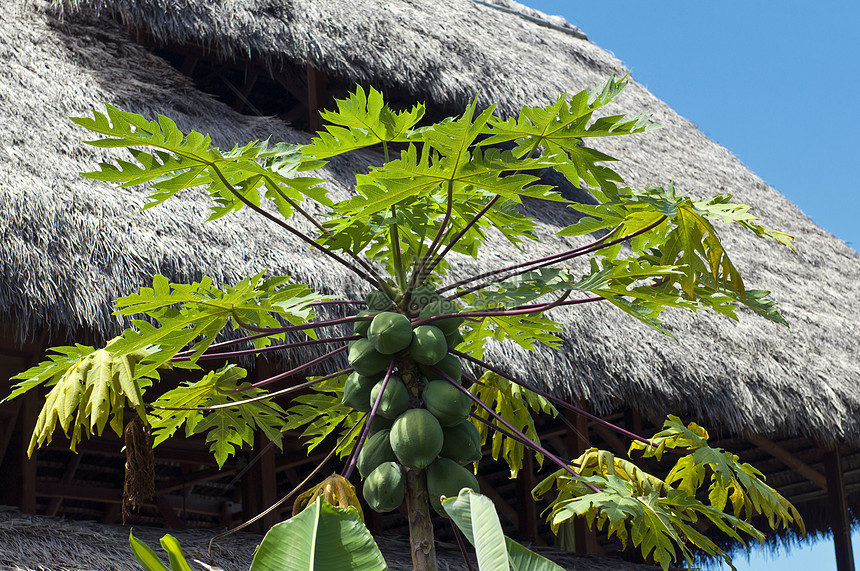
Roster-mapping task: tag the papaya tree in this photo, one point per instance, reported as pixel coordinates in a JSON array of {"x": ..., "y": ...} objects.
[{"x": 410, "y": 396}]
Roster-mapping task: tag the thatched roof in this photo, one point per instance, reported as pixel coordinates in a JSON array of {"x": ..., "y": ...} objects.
[
  {"x": 38, "y": 543},
  {"x": 71, "y": 246}
]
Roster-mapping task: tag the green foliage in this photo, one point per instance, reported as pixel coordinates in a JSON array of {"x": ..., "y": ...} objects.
[
  {"x": 194, "y": 314},
  {"x": 560, "y": 128},
  {"x": 682, "y": 242},
  {"x": 729, "y": 479},
  {"x": 226, "y": 427},
  {"x": 150, "y": 561},
  {"x": 180, "y": 161},
  {"x": 476, "y": 516},
  {"x": 321, "y": 413},
  {"x": 449, "y": 187},
  {"x": 320, "y": 537},
  {"x": 659, "y": 518},
  {"x": 362, "y": 120},
  {"x": 89, "y": 385},
  {"x": 513, "y": 403}
]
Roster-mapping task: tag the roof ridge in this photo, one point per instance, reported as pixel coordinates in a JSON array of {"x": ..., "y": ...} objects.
[{"x": 512, "y": 7}]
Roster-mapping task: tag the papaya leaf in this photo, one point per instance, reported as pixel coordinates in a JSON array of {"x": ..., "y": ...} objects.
[
  {"x": 446, "y": 157},
  {"x": 729, "y": 479},
  {"x": 524, "y": 330},
  {"x": 196, "y": 313},
  {"x": 657, "y": 519},
  {"x": 321, "y": 413},
  {"x": 362, "y": 120},
  {"x": 513, "y": 403},
  {"x": 560, "y": 128},
  {"x": 89, "y": 387},
  {"x": 181, "y": 161},
  {"x": 226, "y": 428}
]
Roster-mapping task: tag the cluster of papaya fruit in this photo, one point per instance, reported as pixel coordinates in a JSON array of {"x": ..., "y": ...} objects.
[{"x": 422, "y": 419}]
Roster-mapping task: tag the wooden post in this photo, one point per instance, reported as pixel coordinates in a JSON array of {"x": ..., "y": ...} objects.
[
  {"x": 317, "y": 97},
  {"x": 259, "y": 484},
  {"x": 837, "y": 511},
  {"x": 526, "y": 507},
  {"x": 585, "y": 540}
]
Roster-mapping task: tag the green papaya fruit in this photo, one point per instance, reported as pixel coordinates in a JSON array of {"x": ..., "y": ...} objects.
[
  {"x": 375, "y": 451},
  {"x": 446, "y": 478},
  {"x": 446, "y": 402},
  {"x": 395, "y": 399},
  {"x": 454, "y": 339},
  {"x": 461, "y": 443},
  {"x": 360, "y": 327},
  {"x": 356, "y": 390},
  {"x": 449, "y": 364},
  {"x": 390, "y": 332},
  {"x": 385, "y": 487},
  {"x": 365, "y": 359},
  {"x": 379, "y": 301},
  {"x": 428, "y": 345},
  {"x": 416, "y": 438},
  {"x": 378, "y": 423},
  {"x": 442, "y": 307}
]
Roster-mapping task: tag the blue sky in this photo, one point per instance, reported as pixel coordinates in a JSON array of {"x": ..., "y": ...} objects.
[{"x": 776, "y": 83}]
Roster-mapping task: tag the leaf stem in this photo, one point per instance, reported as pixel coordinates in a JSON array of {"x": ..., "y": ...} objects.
[
  {"x": 419, "y": 273},
  {"x": 526, "y": 440},
  {"x": 347, "y": 471},
  {"x": 291, "y": 372},
  {"x": 280, "y": 502},
  {"x": 551, "y": 398},
  {"x": 548, "y": 260},
  {"x": 266, "y": 396},
  {"x": 289, "y": 228},
  {"x": 519, "y": 310},
  {"x": 279, "y": 330},
  {"x": 269, "y": 349},
  {"x": 461, "y": 233},
  {"x": 338, "y": 302}
]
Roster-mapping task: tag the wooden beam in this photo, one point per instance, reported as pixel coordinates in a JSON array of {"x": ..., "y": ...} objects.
[
  {"x": 68, "y": 476},
  {"x": 192, "y": 479},
  {"x": 242, "y": 97},
  {"x": 837, "y": 511},
  {"x": 188, "y": 65},
  {"x": 111, "y": 514},
  {"x": 789, "y": 460},
  {"x": 171, "y": 520},
  {"x": 198, "y": 505},
  {"x": 633, "y": 421},
  {"x": 293, "y": 87}
]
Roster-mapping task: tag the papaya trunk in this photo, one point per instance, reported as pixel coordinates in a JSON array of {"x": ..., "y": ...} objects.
[{"x": 420, "y": 526}]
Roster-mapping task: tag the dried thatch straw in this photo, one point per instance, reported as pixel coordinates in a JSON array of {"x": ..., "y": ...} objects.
[
  {"x": 70, "y": 245},
  {"x": 36, "y": 543}
]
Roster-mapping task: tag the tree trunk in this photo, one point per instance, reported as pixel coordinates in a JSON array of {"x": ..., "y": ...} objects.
[{"x": 420, "y": 526}]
